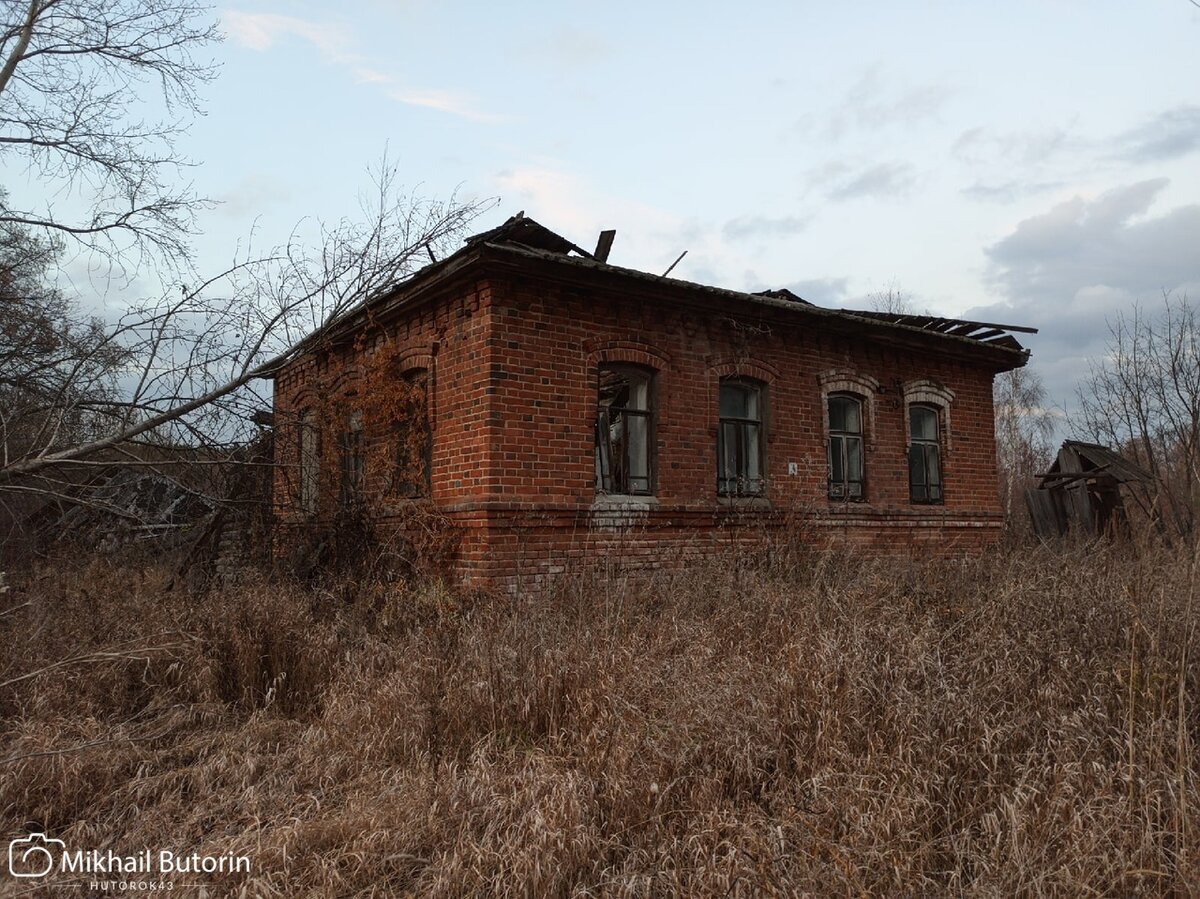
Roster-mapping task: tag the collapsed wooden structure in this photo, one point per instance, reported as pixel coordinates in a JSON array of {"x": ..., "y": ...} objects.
[{"x": 1084, "y": 492}]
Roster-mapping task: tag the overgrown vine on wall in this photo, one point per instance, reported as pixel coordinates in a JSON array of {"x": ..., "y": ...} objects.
[{"x": 375, "y": 433}]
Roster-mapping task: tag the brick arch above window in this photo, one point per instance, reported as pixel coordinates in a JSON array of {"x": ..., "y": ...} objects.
[
  {"x": 414, "y": 361},
  {"x": 631, "y": 352},
  {"x": 748, "y": 369},
  {"x": 847, "y": 380},
  {"x": 346, "y": 382},
  {"x": 744, "y": 368},
  {"x": 421, "y": 359},
  {"x": 928, "y": 392},
  {"x": 307, "y": 397}
]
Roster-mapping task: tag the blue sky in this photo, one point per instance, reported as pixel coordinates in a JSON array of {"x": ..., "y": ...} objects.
[{"x": 1033, "y": 163}]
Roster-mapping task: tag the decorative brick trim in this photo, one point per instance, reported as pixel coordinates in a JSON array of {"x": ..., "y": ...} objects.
[
  {"x": 929, "y": 392},
  {"x": 744, "y": 368},
  {"x": 426, "y": 360},
  {"x": 346, "y": 380},
  {"x": 634, "y": 352},
  {"x": 304, "y": 399},
  {"x": 414, "y": 359},
  {"x": 739, "y": 368},
  {"x": 846, "y": 380},
  {"x": 838, "y": 380}
]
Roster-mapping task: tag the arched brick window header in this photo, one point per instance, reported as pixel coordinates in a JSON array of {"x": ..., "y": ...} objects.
[
  {"x": 748, "y": 369},
  {"x": 413, "y": 360},
  {"x": 346, "y": 382},
  {"x": 306, "y": 397},
  {"x": 846, "y": 380},
  {"x": 630, "y": 352},
  {"x": 928, "y": 392},
  {"x": 745, "y": 368}
]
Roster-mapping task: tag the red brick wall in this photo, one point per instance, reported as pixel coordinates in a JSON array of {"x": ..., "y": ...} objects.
[
  {"x": 449, "y": 338},
  {"x": 515, "y": 362}
]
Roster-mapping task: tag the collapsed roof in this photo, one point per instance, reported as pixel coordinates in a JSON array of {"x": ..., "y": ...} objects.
[{"x": 522, "y": 238}]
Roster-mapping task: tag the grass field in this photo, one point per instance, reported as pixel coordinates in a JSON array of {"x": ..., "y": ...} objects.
[{"x": 1020, "y": 724}]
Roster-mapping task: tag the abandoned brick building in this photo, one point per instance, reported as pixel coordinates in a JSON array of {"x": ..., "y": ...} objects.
[{"x": 552, "y": 406}]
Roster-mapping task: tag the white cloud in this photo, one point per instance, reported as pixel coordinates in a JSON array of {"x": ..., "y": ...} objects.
[
  {"x": 764, "y": 226},
  {"x": 252, "y": 195},
  {"x": 570, "y": 49},
  {"x": 443, "y": 101},
  {"x": 1169, "y": 135},
  {"x": 262, "y": 31},
  {"x": 648, "y": 238}
]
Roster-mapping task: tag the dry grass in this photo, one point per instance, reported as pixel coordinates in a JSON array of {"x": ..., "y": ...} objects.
[{"x": 1022, "y": 724}]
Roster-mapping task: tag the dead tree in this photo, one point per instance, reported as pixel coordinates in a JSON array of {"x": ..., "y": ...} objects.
[
  {"x": 1143, "y": 398},
  {"x": 72, "y": 75},
  {"x": 1024, "y": 428},
  {"x": 187, "y": 370}
]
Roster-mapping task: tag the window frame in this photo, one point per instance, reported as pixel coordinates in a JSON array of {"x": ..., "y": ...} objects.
[
  {"x": 602, "y": 420},
  {"x": 840, "y": 491},
  {"x": 733, "y": 486},
  {"x": 352, "y": 463},
  {"x": 308, "y": 458},
  {"x": 926, "y": 445},
  {"x": 421, "y": 486}
]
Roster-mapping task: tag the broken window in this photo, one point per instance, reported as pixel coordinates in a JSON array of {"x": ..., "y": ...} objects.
[
  {"x": 624, "y": 430},
  {"x": 414, "y": 437},
  {"x": 845, "y": 447},
  {"x": 353, "y": 462},
  {"x": 924, "y": 455},
  {"x": 739, "y": 439},
  {"x": 308, "y": 440}
]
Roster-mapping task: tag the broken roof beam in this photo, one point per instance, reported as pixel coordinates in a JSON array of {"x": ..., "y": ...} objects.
[{"x": 604, "y": 245}]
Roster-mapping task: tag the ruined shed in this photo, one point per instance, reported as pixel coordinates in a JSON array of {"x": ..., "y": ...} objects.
[{"x": 1084, "y": 491}]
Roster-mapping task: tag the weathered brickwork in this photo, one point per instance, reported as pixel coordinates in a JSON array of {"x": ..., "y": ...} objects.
[{"x": 513, "y": 352}]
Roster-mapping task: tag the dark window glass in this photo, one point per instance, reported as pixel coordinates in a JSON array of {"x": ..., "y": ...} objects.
[
  {"x": 845, "y": 447},
  {"x": 924, "y": 456},
  {"x": 624, "y": 431},
  {"x": 739, "y": 439}
]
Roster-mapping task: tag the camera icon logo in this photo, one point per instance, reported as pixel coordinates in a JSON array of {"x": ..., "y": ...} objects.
[{"x": 33, "y": 856}]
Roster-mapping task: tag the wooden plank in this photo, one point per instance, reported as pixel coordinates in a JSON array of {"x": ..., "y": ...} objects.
[
  {"x": 1044, "y": 513},
  {"x": 1080, "y": 514}
]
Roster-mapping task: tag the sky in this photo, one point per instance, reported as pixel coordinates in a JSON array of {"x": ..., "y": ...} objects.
[{"x": 1033, "y": 163}]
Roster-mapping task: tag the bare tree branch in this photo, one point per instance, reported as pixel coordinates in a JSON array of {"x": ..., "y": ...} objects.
[
  {"x": 72, "y": 77},
  {"x": 181, "y": 369}
]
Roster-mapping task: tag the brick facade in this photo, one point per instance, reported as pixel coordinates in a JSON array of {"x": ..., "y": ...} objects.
[{"x": 513, "y": 343}]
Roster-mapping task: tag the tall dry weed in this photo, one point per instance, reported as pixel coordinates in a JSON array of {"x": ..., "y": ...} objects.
[{"x": 1023, "y": 723}]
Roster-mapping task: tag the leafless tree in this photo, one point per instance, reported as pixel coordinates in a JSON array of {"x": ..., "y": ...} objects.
[
  {"x": 1143, "y": 397},
  {"x": 191, "y": 364},
  {"x": 73, "y": 77},
  {"x": 892, "y": 298},
  {"x": 94, "y": 95},
  {"x": 1024, "y": 431},
  {"x": 55, "y": 363}
]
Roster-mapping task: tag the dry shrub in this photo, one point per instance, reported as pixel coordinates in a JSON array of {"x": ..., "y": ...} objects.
[{"x": 1020, "y": 723}]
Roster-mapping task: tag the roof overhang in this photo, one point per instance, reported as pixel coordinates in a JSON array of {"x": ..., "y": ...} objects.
[{"x": 521, "y": 246}]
